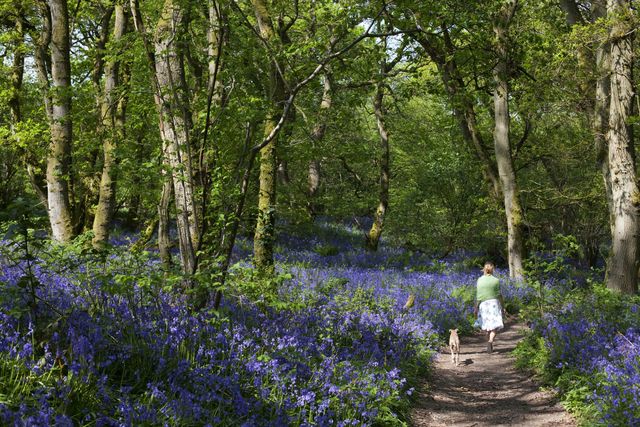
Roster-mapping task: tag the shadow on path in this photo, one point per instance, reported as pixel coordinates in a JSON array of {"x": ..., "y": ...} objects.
[{"x": 486, "y": 389}]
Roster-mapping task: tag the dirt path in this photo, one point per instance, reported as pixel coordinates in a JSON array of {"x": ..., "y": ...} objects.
[{"x": 485, "y": 390}]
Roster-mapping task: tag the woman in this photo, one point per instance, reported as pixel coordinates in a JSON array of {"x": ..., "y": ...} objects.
[{"x": 489, "y": 304}]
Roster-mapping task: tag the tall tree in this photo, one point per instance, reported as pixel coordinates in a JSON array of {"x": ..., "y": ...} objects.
[
  {"x": 373, "y": 237},
  {"x": 504, "y": 160},
  {"x": 611, "y": 108},
  {"x": 55, "y": 36},
  {"x": 441, "y": 49},
  {"x": 264, "y": 233},
  {"x": 112, "y": 109},
  {"x": 175, "y": 125},
  {"x": 9, "y": 166},
  {"x": 317, "y": 134},
  {"x": 622, "y": 271},
  {"x": 386, "y": 66}
]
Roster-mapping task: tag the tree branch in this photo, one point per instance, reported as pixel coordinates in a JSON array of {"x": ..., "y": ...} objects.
[{"x": 294, "y": 91}]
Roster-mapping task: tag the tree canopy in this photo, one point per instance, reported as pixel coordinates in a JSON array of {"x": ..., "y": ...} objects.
[{"x": 482, "y": 126}]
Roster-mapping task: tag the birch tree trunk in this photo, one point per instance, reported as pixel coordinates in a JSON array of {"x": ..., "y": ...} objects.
[
  {"x": 175, "y": 124},
  {"x": 112, "y": 127},
  {"x": 216, "y": 35},
  {"x": 59, "y": 155},
  {"x": 373, "y": 237},
  {"x": 622, "y": 271},
  {"x": 513, "y": 210},
  {"x": 265, "y": 227}
]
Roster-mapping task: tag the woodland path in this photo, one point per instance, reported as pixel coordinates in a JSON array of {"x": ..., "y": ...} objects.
[{"x": 486, "y": 389}]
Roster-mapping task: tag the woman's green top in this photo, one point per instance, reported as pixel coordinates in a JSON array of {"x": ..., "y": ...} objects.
[{"x": 488, "y": 287}]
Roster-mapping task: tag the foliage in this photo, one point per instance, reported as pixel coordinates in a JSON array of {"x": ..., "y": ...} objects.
[
  {"x": 325, "y": 336},
  {"x": 118, "y": 340},
  {"x": 584, "y": 340}
]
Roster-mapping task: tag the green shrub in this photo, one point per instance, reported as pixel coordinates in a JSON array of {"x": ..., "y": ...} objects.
[{"x": 326, "y": 250}]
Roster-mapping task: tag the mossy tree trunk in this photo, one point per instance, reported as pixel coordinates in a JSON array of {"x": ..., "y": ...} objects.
[
  {"x": 112, "y": 111},
  {"x": 264, "y": 236},
  {"x": 164, "y": 241},
  {"x": 506, "y": 170}
]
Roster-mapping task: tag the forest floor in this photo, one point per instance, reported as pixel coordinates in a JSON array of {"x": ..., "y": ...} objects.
[{"x": 486, "y": 389}]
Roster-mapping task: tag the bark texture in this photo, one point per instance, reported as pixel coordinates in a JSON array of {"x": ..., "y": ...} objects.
[
  {"x": 164, "y": 241},
  {"x": 265, "y": 226},
  {"x": 622, "y": 271},
  {"x": 600, "y": 120},
  {"x": 512, "y": 207},
  {"x": 112, "y": 129},
  {"x": 175, "y": 125},
  {"x": 59, "y": 155}
]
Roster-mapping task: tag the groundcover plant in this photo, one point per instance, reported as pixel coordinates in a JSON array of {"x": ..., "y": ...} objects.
[
  {"x": 87, "y": 340},
  {"x": 110, "y": 341},
  {"x": 593, "y": 353}
]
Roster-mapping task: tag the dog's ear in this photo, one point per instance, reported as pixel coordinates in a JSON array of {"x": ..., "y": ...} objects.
[{"x": 450, "y": 330}]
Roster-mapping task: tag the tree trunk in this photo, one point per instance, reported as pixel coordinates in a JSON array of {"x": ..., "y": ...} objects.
[
  {"x": 264, "y": 236},
  {"x": 112, "y": 128},
  {"x": 513, "y": 210},
  {"x": 230, "y": 231},
  {"x": 214, "y": 51},
  {"x": 265, "y": 227},
  {"x": 175, "y": 125},
  {"x": 462, "y": 104},
  {"x": 17, "y": 74},
  {"x": 622, "y": 271},
  {"x": 36, "y": 170},
  {"x": 373, "y": 238},
  {"x": 601, "y": 111},
  {"x": 164, "y": 241},
  {"x": 314, "y": 176},
  {"x": 283, "y": 172},
  {"x": 59, "y": 155},
  {"x": 10, "y": 164}
]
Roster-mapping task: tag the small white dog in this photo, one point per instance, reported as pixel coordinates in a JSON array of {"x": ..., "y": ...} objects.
[{"x": 454, "y": 346}]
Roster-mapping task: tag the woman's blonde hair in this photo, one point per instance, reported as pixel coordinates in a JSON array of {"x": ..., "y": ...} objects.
[{"x": 488, "y": 267}]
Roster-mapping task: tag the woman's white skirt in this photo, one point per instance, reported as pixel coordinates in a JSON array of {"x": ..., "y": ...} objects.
[{"x": 490, "y": 315}]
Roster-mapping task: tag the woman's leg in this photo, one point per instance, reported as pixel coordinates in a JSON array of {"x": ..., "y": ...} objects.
[{"x": 491, "y": 335}]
